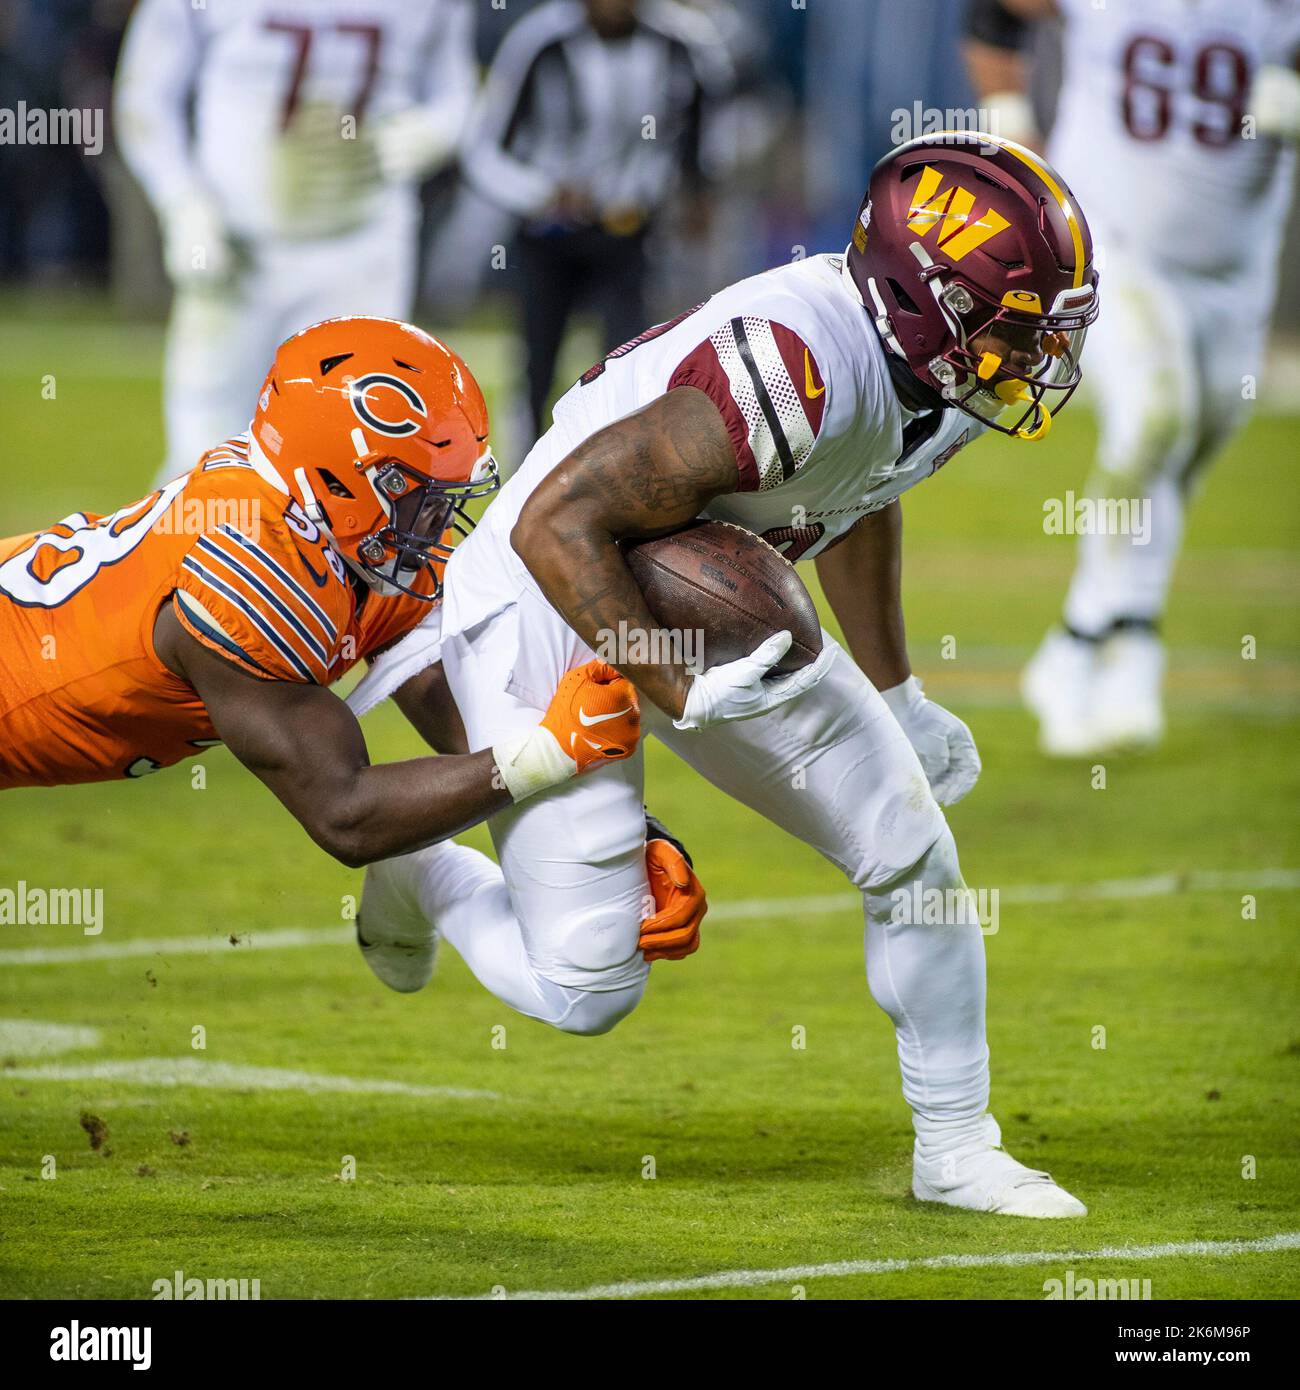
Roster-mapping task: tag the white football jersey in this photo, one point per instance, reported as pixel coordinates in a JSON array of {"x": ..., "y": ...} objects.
[
  {"x": 1153, "y": 131},
  {"x": 795, "y": 366},
  {"x": 284, "y": 96}
]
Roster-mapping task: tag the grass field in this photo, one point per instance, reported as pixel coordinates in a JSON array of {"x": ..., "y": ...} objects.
[{"x": 481, "y": 1167}]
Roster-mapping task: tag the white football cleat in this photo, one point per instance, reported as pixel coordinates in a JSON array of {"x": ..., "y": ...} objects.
[
  {"x": 1127, "y": 711},
  {"x": 984, "y": 1177},
  {"x": 398, "y": 942},
  {"x": 1057, "y": 688}
]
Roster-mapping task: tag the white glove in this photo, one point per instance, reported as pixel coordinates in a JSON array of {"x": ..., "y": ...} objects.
[
  {"x": 943, "y": 743},
  {"x": 197, "y": 249},
  {"x": 409, "y": 145},
  {"x": 1275, "y": 102},
  {"x": 739, "y": 690}
]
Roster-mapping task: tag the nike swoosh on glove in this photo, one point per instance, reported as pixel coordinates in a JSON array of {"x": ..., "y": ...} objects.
[
  {"x": 593, "y": 718},
  {"x": 742, "y": 690},
  {"x": 945, "y": 746}
]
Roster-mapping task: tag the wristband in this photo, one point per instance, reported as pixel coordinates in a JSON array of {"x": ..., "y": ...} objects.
[{"x": 531, "y": 762}]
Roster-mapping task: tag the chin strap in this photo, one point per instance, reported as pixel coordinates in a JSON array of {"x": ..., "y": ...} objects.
[{"x": 1015, "y": 392}]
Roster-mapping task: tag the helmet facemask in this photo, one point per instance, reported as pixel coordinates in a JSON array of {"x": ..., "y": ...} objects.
[
  {"x": 981, "y": 374},
  {"x": 422, "y": 512}
]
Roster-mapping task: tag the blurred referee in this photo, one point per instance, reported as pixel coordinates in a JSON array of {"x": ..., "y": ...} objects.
[{"x": 590, "y": 119}]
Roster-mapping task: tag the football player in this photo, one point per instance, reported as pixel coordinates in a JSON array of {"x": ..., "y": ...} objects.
[
  {"x": 223, "y": 606},
  {"x": 282, "y": 143},
  {"x": 1175, "y": 127},
  {"x": 799, "y": 404}
]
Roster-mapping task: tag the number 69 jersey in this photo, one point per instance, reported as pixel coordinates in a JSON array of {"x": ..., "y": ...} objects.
[
  {"x": 1155, "y": 134},
  {"x": 84, "y": 697}
]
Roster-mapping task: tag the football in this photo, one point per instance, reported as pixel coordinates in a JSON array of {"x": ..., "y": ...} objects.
[{"x": 729, "y": 586}]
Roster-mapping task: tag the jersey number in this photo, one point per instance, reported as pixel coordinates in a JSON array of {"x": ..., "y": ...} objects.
[
  {"x": 70, "y": 556},
  {"x": 371, "y": 36},
  {"x": 1220, "y": 78},
  {"x": 593, "y": 373},
  {"x": 794, "y": 541}
]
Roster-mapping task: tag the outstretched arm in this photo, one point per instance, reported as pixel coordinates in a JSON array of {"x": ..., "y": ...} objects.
[
  {"x": 996, "y": 64},
  {"x": 307, "y": 746}
]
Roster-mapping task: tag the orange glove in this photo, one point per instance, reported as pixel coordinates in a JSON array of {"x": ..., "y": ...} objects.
[
  {"x": 673, "y": 933},
  {"x": 593, "y": 719},
  {"x": 594, "y": 715}
]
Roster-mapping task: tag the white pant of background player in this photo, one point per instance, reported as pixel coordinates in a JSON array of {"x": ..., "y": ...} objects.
[
  {"x": 1171, "y": 364},
  {"x": 553, "y": 931},
  {"x": 221, "y": 338}
]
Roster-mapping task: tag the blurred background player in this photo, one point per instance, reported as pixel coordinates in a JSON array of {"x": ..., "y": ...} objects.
[
  {"x": 281, "y": 145},
  {"x": 1175, "y": 128},
  {"x": 592, "y": 115}
]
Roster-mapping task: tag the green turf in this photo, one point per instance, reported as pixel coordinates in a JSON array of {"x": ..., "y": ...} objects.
[{"x": 765, "y": 1156}]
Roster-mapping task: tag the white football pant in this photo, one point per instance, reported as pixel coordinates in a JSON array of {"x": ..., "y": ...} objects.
[
  {"x": 1172, "y": 363},
  {"x": 554, "y": 932}
]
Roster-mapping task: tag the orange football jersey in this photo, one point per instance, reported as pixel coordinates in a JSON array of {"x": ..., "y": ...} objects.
[{"x": 84, "y": 697}]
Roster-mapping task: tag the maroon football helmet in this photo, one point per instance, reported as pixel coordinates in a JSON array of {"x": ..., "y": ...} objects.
[{"x": 975, "y": 262}]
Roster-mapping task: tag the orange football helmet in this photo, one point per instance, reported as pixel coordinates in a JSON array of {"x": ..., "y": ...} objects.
[{"x": 380, "y": 433}]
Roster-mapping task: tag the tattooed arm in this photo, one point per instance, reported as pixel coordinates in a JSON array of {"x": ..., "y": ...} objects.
[{"x": 648, "y": 473}]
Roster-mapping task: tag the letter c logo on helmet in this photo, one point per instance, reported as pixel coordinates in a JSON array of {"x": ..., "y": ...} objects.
[{"x": 359, "y": 393}]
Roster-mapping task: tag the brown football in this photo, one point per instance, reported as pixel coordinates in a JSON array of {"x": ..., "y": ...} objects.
[{"x": 729, "y": 587}]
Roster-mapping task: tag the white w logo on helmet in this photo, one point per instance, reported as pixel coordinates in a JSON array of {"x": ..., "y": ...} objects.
[{"x": 359, "y": 393}]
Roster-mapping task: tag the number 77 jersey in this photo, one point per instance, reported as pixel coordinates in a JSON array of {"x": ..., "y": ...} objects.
[
  {"x": 285, "y": 96},
  {"x": 1156, "y": 135}
]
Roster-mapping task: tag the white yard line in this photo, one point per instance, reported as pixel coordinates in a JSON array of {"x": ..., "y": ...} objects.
[
  {"x": 21, "y": 1037},
  {"x": 745, "y": 909},
  {"x": 1263, "y": 707},
  {"x": 229, "y": 1076},
  {"x": 280, "y": 938},
  {"x": 1151, "y": 886},
  {"x": 839, "y": 1269}
]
